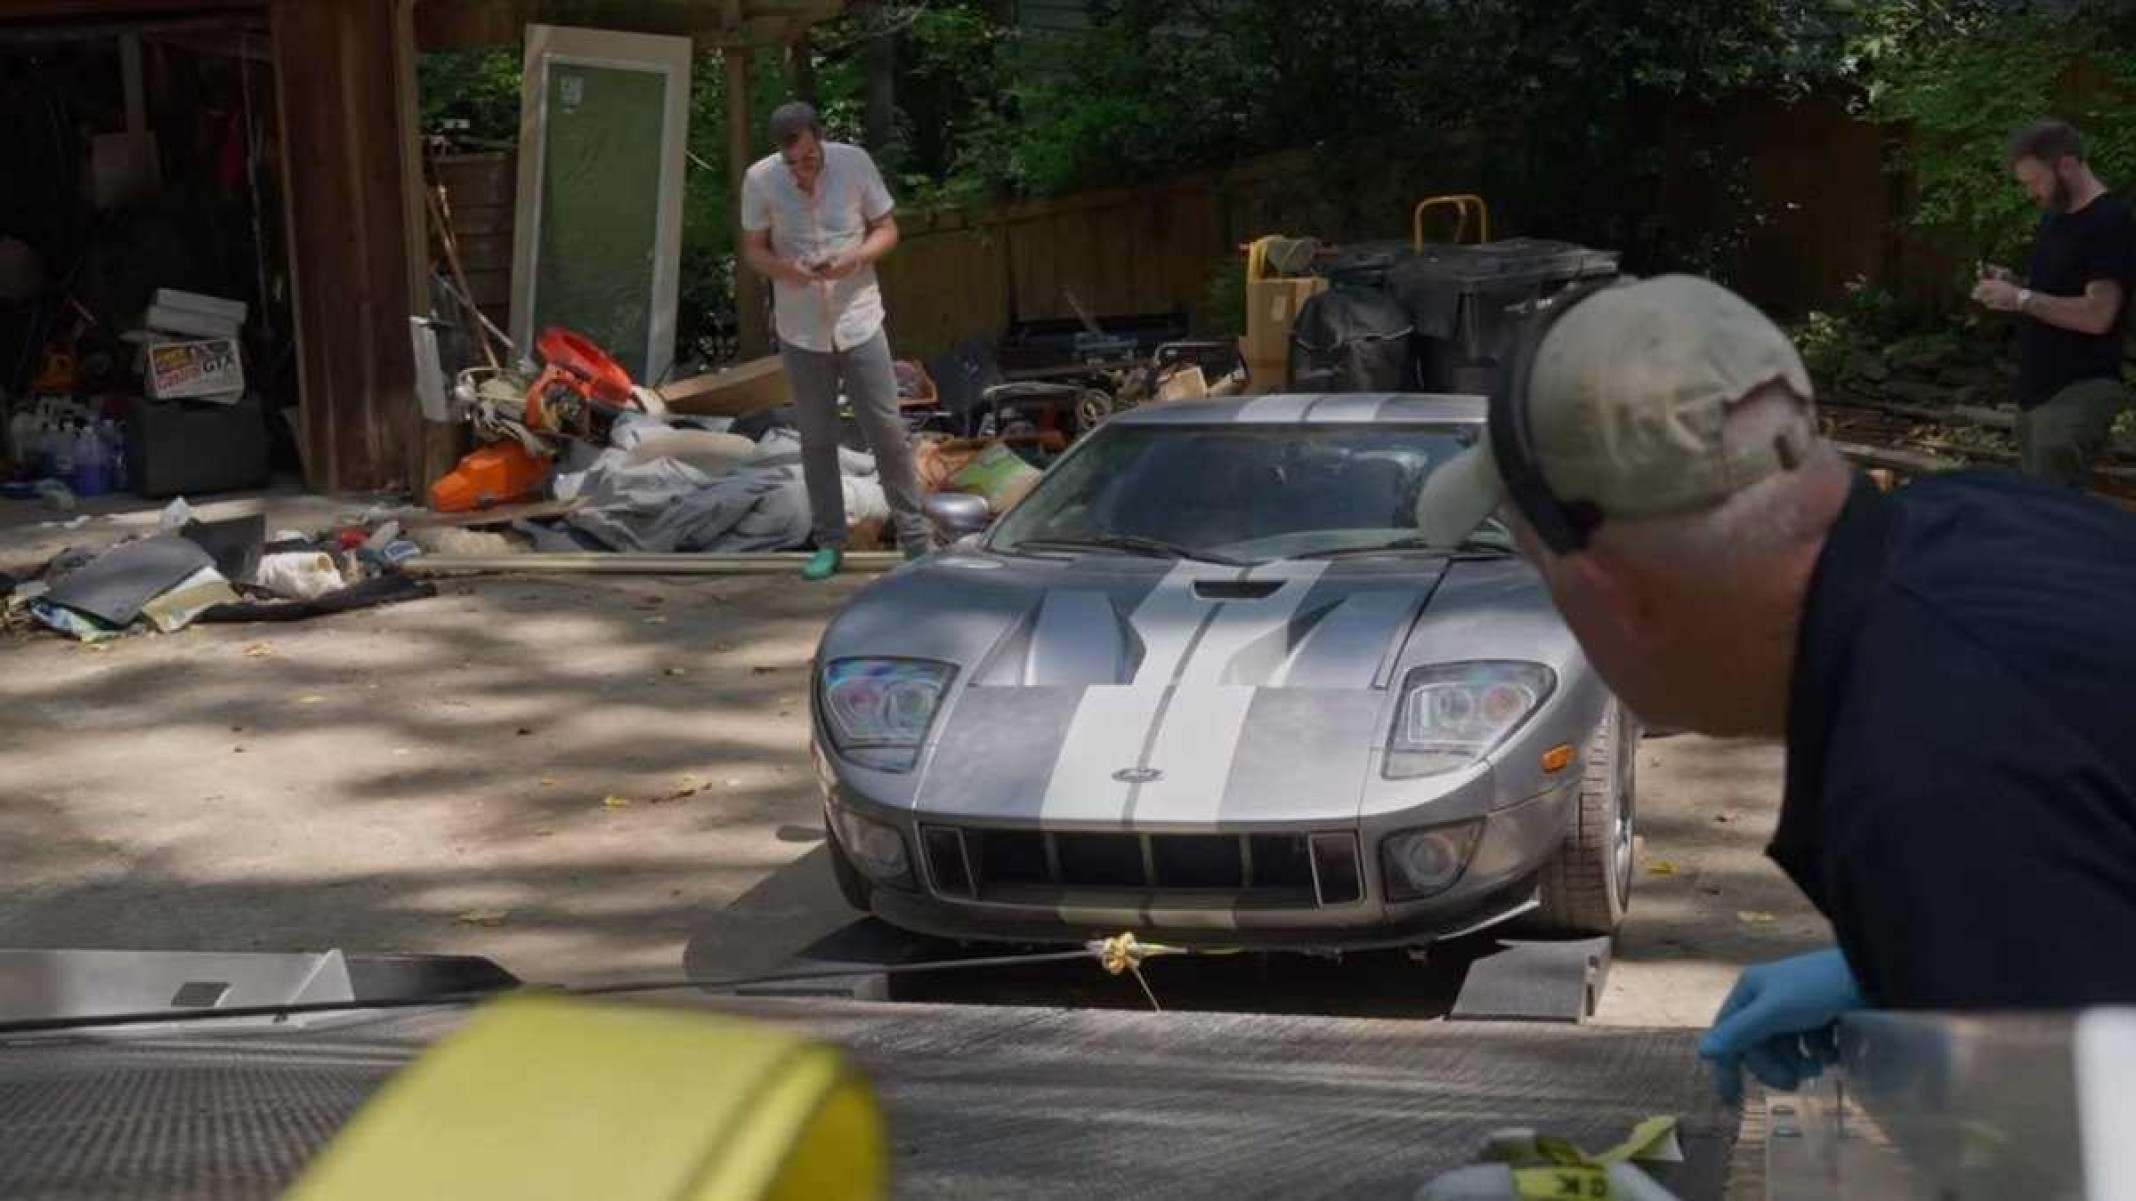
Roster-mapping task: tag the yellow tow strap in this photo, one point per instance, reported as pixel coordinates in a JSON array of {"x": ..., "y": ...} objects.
[
  {"x": 541, "y": 1097},
  {"x": 1552, "y": 1169}
]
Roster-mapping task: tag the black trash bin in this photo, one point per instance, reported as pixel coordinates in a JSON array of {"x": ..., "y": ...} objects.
[
  {"x": 194, "y": 446},
  {"x": 1464, "y": 300},
  {"x": 1352, "y": 339}
]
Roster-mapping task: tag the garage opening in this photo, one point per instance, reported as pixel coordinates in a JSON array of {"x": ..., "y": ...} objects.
[{"x": 147, "y": 344}]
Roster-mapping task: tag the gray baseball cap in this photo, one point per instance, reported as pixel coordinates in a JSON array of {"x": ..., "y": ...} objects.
[{"x": 1626, "y": 402}]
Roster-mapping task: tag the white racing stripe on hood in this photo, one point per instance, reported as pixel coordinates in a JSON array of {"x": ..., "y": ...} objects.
[
  {"x": 1177, "y": 717},
  {"x": 1194, "y": 750},
  {"x": 1168, "y": 619},
  {"x": 1112, "y": 722},
  {"x": 1244, "y": 623},
  {"x": 1106, "y": 735}
]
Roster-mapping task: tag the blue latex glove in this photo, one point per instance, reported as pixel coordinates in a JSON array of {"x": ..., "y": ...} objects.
[{"x": 1777, "y": 1020}]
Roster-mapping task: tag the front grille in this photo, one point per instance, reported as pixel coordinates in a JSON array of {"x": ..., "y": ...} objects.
[{"x": 1275, "y": 871}]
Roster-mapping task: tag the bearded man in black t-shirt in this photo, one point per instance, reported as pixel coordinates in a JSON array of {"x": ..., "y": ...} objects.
[{"x": 2071, "y": 305}]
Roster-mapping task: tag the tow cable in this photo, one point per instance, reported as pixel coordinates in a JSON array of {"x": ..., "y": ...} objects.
[{"x": 1122, "y": 954}]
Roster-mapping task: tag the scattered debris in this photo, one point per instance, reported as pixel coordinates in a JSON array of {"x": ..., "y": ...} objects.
[
  {"x": 687, "y": 791},
  {"x": 612, "y": 801}
]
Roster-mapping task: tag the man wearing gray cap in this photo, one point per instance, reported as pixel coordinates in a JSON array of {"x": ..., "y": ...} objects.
[{"x": 1949, "y": 664}]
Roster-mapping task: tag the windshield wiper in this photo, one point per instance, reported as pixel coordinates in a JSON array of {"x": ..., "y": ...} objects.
[
  {"x": 1131, "y": 543},
  {"x": 1467, "y": 546}
]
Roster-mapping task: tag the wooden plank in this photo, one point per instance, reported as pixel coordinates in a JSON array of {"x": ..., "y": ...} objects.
[
  {"x": 764, "y": 23},
  {"x": 483, "y": 252},
  {"x": 487, "y": 288},
  {"x": 348, "y": 239},
  {"x": 539, "y": 510},
  {"x": 49, "y": 10},
  {"x": 478, "y": 179},
  {"x": 476, "y": 220},
  {"x": 597, "y": 563},
  {"x": 753, "y": 322},
  {"x": 1912, "y": 462}
]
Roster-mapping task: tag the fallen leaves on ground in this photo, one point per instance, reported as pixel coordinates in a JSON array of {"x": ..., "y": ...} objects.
[
  {"x": 612, "y": 801},
  {"x": 259, "y": 650},
  {"x": 1753, "y": 917},
  {"x": 483, "y": 917},
  {"x": 1661, "y": 867}
]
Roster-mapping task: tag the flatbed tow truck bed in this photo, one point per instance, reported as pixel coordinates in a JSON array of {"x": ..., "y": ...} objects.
[{"x": 983, "y": 1101}]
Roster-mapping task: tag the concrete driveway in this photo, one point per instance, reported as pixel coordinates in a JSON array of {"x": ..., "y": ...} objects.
[{"x": 593, "y": 778}]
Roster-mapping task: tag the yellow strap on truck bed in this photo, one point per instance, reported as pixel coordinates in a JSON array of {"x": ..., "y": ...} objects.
[{"x": 541, "y": 1098}]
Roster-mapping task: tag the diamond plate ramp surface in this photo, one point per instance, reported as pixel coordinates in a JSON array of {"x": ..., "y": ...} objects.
[{"x": 983, "y": 1101}]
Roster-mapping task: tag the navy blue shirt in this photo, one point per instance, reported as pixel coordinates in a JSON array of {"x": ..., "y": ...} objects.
[
  {"x": 2097, "y": 242},
  {"x": 1961, "y": 771}
]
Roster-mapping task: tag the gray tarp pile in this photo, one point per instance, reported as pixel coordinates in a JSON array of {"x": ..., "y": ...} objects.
[{"x": 674, "y": 504}]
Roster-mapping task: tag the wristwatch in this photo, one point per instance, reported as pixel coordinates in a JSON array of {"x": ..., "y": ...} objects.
[{"x": 2024, "y": 299}]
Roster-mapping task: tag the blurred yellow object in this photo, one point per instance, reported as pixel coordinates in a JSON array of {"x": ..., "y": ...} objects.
[{"x": 544, "y": 1097}]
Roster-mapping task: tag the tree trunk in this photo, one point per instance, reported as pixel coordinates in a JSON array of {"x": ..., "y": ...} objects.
[
  {"x": 801, "y": 68},
  {"x": 879, "y": 120}
]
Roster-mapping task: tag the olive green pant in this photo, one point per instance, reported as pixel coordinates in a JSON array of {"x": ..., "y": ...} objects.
[{"x": 2058, "y": 440}]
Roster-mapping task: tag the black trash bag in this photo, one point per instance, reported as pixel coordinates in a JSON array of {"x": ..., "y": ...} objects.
[{"x": 1352, "y": 340}]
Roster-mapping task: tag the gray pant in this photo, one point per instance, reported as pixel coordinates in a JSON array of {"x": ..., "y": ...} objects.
[
  {"x": 2058, "y": 440},
  {"x": 871, "y": 388}
]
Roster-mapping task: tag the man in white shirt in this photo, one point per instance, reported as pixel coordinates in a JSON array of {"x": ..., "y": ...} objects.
[{"x": 815, "y": 218}]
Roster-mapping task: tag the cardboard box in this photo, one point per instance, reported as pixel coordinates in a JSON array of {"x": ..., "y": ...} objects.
[
  {"x": 1271, "y": 309},
  {"x": 190, "y": 322},
  {"x": 737, "y": 392},
  {"x": 233, "y": 311},
  {"x": 210, "y": 369}
]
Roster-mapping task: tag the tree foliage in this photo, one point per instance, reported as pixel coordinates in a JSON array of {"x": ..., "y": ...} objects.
[
  {"x": 1569, "y": 113},
  {"x": 1962, "y": 77}
]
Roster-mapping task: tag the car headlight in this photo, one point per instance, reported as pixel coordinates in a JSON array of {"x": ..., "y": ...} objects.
[
  {"x": 875, "y": 848},
  {"x": 1453, "y": 714},
  {"x": 1422, "y": 863},
  {"x": 878, "y": 710}
]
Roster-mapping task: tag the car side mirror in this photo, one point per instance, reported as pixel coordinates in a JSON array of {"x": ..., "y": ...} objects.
[{"x": 957, "y": 515}]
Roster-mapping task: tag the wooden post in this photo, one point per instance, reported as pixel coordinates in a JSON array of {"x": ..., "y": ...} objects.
[
  {"x": 801, "y": 68},
  {"x": 349, "y": 244},
  {"x": 753, "y": 323}
]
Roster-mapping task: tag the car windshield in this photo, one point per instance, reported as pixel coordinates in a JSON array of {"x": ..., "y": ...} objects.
[{"x": 1241, "y": 493}]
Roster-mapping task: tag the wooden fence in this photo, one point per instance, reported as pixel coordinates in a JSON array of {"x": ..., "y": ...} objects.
[{"x": 1829, "y": 213}]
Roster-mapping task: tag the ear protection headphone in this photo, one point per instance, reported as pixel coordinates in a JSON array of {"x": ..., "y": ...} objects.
[{"x": 1563, "y": 525}]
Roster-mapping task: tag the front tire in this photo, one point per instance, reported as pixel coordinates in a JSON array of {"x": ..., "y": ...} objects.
[
  {"x": 857, "y": 889},
  {"x": 1587, "y": 886}
]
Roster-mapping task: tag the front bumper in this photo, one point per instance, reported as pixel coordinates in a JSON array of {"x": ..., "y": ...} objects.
[{"x": 949, "y": 896}]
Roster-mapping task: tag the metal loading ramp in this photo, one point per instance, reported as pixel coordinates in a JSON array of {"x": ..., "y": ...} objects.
[{"x": 984, "y": 1102}]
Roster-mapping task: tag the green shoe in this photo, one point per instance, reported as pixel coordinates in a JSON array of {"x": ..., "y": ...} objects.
[{"x": 824, "y": 565}]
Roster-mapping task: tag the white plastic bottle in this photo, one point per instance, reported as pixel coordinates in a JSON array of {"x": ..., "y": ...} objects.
[
  {"x": 115, "y": 475},
  {"x": 90, "y": 477},
  {"x": 62, "y": 444},
  {"x": 21, "y": 440}
]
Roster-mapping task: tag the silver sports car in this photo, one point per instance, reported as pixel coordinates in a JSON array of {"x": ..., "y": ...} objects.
[{"x": 1206, "y": 683}]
